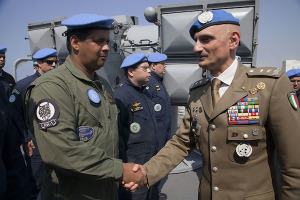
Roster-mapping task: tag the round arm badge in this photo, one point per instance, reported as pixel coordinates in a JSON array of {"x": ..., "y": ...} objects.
[{"x": 46, "y": 114}]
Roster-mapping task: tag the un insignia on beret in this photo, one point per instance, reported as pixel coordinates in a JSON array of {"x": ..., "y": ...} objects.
[{"x": 205, "y": 17}]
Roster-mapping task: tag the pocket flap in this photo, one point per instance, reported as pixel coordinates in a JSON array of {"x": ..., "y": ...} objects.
[{"x": 244, "y": 133}]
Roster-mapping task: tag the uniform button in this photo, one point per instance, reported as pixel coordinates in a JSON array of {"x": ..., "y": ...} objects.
[
  {"x": 213, "y": 127},
  {"x": 213, "y": 149},
  {"x": 216, "y": 189},
  {"x": 215, "y": 169},
  {"x": 245, "y": 136}
]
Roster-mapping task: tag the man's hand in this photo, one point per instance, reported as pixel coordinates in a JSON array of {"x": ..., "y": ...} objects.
[
  {"x": 29, "y": 146},
  {"x": 133, "y": 177}
]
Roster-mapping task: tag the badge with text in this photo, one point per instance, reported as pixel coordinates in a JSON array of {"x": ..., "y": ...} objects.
[
  {"x": 93, "y": 96},
  {"x": 293, "y": 100},
  {"x": 46, "y": 114},
  {"x": 84, "y": 133},
  {"x": 157, "y": 107},
  {"x": 135, "y": 127}
]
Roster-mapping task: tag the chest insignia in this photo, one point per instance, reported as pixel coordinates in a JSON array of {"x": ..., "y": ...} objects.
[
  {"x": 243, "y": 150},
  {"x": 93, "y": 96},
  {"x": 293, "y": 100},
  {"x": 136, "y": 107},
  {"x": 259, "y": 86},
  {"x": 12, "y": 98},
  {"x": 46, "y": 114},
  {"x": 197, "y": 109},
  {"x": 16, "y": 91},
  {"x": 157, "y": 107},
  {"x": 84, "y": 133},
  {"x": 245, "y": 112},
  {"x": 135, "y": 127}
]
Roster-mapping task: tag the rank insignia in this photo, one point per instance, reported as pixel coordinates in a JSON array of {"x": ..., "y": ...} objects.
[
  {"x": 84, "y": 133},
  {"x": 157, "y": 107},
  {"x": 135, "y": 127},
  {"x": 147, "y": 88},
  {"x": 293, "y": 100},
  {"x": 46, "y": 114}
]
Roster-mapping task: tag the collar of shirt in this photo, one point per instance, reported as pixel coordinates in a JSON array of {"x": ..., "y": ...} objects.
[{"x": 226, "y": 77}]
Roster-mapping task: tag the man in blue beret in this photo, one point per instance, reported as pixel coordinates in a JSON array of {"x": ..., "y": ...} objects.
[
  {"x": 4, "y": 76},
  {"x": 237, "y": 118},
  {"x": 74, "y": 116},
  {"x": 12, "y": 169},
  {"x": 136, "y": 121},
  {"x": 294, "y": 76},
  {"x": 46, "y": 60},
  {"x": 160, "y": 97}
]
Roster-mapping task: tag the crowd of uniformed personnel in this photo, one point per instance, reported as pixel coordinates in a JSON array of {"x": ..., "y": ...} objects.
[{"x": 81, "y": 140}]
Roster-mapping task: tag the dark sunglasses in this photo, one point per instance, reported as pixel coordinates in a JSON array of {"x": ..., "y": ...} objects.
[{"x": 50, "y": 62}]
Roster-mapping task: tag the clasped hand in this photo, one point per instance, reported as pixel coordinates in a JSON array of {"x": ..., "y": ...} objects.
[{"x": 134, "y": 176}]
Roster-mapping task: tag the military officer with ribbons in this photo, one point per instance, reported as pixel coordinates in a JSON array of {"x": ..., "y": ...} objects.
[
  {"x": 137, "y": 121},
  {"x": 74, "y": 116},
  {"x": 46, "y": 60},
  {"x": 160, "y": 97},
  {"x": 238, "y": 118}
]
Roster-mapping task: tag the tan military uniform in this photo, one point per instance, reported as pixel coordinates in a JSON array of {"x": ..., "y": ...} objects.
[
  {"x": 75, "y": 124},
  {"x": 226, "y": 175}
]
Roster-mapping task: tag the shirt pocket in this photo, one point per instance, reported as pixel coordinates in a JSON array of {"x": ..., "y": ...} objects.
[{"x": 250, "y": 141}]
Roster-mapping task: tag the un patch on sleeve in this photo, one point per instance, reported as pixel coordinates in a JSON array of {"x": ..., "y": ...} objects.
[{"x": 46, "y": 114}]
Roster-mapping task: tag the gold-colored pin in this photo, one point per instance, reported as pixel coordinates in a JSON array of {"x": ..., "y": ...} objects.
[
  {"x": 261, "y": 86},
  {"x": 253, "y": 91}
]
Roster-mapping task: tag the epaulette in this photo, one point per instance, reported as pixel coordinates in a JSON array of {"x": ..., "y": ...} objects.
[
  {"x": 199, "y": 83},
  {"x": 265, "y": 71}
]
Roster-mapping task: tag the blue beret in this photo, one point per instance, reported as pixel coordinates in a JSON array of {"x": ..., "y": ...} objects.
[
  {"x": 83, "y": 21},
  {"x": 43, "y": 53},
  {"x": 293, "y": 72},
  {"x": 134, "y": 59},
  {"x": 211, "y": 18},
  {"x": 157, "y": 57},
  {"x": 2, "y": 49}
]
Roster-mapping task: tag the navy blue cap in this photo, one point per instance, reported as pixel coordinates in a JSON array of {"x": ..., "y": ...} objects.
[
  {"x": 2, "y": 49},
  {"x": 157, "y": 57},
  {"x": 44, "y": 53},
  {"x": 134, "y": 59},
  {"x": 210, "y": 18},
  {"x": 293, "y": 73},
  {"x": 83, "y": 21}
]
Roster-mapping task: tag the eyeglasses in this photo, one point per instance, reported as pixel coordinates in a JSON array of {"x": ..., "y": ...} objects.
[
  {"x": 50, "y": 62},
  {"x": 145, "y": 68}
]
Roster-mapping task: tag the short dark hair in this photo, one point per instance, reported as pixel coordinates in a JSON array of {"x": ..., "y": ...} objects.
[
  {"x": 82, "y": 34},
  {"x": 133, "y": 67}
]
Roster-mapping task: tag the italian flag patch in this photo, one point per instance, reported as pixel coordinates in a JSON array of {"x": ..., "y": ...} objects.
[{"x": 293, "y": 100}]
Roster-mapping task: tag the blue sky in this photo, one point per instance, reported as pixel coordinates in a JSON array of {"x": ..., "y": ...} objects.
[{"x": 278, "y": 32}]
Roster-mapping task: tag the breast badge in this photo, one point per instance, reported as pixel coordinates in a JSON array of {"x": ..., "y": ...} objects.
[
  {"x": 136, "y": 107},
  {"x": 243, "y": 150},
  {"x": 157, "y": 107},
  {"x": 46, "y": 114},
  {"x": 135, "y": 127},
  {"x": 93, "y": 96}
]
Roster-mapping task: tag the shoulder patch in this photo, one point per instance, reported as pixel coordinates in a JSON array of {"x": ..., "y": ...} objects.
[
  {"x": 265, "y": 71},
  {"x": 46, "y": 114},
  {"x": 199, "y": 83}
]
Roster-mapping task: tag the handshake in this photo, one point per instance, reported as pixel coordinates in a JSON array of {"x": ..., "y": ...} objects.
[{"x": 134, "y": 176}]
